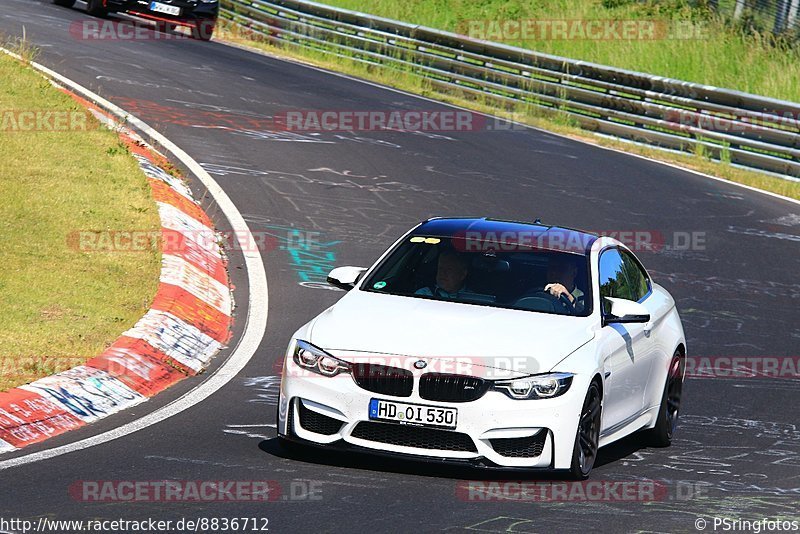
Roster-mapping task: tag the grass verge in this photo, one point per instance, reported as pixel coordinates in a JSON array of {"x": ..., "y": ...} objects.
[
  {"x": 689, "y": 41},
  {"x": 62, "y": 305},
  {"x": 552, "y": 121}
]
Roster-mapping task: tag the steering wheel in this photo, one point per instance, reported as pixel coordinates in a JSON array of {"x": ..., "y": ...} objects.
[{"x": 561, "y": 299}]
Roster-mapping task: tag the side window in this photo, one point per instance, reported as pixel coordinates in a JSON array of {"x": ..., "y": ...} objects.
[
  {"x": 637, "y": 277},
  {"x": 613, "y": 282}
]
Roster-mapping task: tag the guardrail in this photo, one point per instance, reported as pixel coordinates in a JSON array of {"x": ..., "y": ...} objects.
[{"x": 743, "y": 129}]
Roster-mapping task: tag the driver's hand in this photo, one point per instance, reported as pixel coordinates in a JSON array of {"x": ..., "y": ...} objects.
[{"x": 557, "y": 290}]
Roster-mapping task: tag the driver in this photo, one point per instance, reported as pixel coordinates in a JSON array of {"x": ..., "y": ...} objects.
[
  {"x": 451, "y": 273},
  {"x": 561, "y": 274}
]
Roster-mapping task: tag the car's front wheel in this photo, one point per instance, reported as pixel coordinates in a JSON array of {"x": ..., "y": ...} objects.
[
  {"x": 64, "y": 3},
  {"x": 661, "y": 434},
  {"x": 587, "y": 437}
]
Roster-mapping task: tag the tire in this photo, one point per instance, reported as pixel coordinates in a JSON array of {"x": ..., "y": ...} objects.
[
  {"x": 587, "y": 437},
  {"x": 64, "y": 3},
  {"x": 203, "y": 29},
  {"x": 96, "y": 8},
  {"x": 668, "y": 412}
]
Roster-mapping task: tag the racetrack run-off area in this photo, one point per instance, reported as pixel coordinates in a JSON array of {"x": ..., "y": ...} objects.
[
  {"x": 187, "y": 324},
  {"x": 63, "y": 174}
]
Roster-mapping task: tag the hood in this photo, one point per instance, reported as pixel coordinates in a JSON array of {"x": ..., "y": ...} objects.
[{"x": 366, "y": 323}]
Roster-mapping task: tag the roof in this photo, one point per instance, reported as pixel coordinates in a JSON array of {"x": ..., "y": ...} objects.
[{"x": 509, "y": 232}]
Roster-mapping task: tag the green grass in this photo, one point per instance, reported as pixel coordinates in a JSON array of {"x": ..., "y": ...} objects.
[
  {"x": 61, "y": 306},
  {"x": 724, "y": 55}
]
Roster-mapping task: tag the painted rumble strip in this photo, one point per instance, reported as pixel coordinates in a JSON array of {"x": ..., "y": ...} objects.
[{"x": 188, "y": 323}]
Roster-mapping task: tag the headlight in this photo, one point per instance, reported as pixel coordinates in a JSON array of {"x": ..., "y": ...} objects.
[
  {"x": 544, "y": 386},
  {"x": 317, "y": 360}
]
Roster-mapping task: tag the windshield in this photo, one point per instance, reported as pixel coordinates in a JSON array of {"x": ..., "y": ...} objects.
[{"x": 515, "y": 277}]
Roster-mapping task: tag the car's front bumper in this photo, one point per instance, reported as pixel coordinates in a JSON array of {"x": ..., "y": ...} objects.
[{"x": 493, "y": 430}]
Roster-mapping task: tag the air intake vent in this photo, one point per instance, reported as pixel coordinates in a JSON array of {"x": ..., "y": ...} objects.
[
  {"x": 385, "y": 380},
  {"x": 529, "y": 447},
  {"x": 414, "y": 436},
  {"x": 318, "y": 423},
  {"x": 452, "y": 388}
]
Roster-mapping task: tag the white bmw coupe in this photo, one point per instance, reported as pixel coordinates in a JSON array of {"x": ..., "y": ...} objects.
[{"x": 496, "y": 343}]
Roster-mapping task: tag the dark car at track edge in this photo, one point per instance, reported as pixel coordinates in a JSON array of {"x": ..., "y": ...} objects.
[{"x": 200, "y": 16}]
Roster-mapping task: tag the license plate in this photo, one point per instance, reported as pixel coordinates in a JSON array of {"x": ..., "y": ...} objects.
[
  {"x": 158, "y": 7},
  {"x": 412, "y": 414}
]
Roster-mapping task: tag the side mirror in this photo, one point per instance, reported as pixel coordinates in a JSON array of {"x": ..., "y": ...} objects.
[
  {"x": 345, "y": 277},
  {"x": 625, "y": 311}
]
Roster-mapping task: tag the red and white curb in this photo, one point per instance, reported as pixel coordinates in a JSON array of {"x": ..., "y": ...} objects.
[{"x": 188, "y": 323}]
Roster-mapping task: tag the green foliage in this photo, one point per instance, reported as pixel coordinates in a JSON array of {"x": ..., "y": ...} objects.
[
  {"x": 697, "y": 45},
  {"x": 62, "y": 305}
]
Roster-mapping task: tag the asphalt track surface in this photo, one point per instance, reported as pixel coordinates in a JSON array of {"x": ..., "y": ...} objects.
[{"x": 737, "y": 447}]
